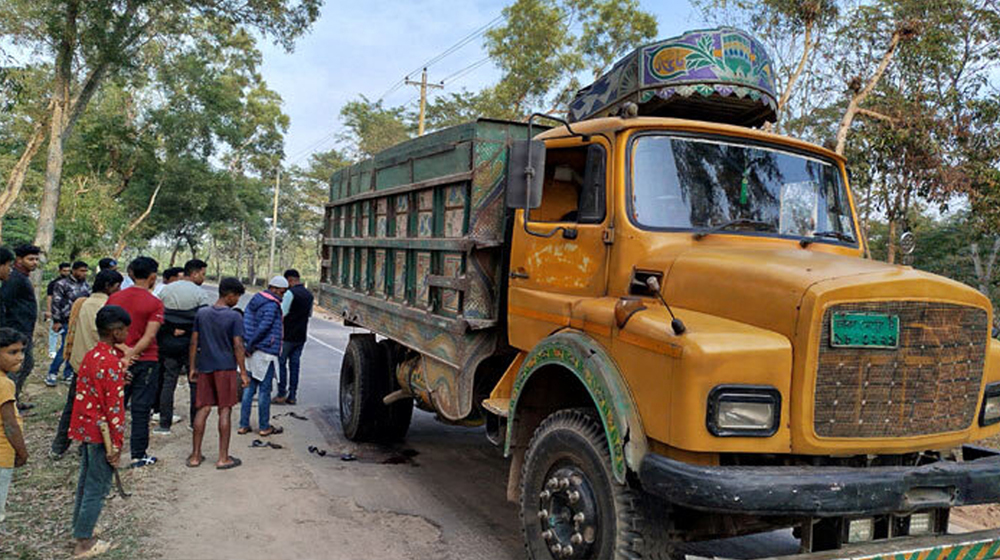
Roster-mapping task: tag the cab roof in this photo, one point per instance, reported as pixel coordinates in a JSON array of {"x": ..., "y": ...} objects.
[{"x": 614, "y": 125}]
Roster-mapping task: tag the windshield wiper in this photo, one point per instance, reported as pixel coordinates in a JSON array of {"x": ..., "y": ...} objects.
[
  {"x": 806, "y": 241},
  {"x": 757, "y": 224}
]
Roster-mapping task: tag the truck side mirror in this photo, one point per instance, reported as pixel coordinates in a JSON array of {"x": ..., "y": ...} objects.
[{"x": 525, "y": 174}]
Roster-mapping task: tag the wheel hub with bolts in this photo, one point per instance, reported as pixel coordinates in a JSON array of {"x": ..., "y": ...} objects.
[{"x": 567, "y": 512}]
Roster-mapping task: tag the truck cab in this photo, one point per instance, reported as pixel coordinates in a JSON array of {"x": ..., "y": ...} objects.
[{"x": 667, "y": 324}]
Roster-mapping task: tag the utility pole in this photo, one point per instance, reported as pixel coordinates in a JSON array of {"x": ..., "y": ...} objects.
[
  {"x": 423, "y": 98},
  {"x": 274, "y": 223}
]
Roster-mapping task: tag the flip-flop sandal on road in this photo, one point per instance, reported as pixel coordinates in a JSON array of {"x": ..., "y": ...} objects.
[
  {"x": 243, "y": 431},
  {"x": 201, "y": 459},
  {"x": 232, "y": 464},
  {"x": 272, "y": 431},
  {"x": 271, "y": 444}
]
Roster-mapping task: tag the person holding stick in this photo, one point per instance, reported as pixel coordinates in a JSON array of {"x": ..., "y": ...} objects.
[{"x": 100, "y": 401}]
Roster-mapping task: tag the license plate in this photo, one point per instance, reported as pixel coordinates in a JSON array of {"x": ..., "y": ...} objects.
[{"x": 864, "y": 330}]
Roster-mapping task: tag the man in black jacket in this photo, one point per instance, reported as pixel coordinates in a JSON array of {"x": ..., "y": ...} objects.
[
  {"x": 20, "y": 309},
  {"x": 297, "y": 306}
]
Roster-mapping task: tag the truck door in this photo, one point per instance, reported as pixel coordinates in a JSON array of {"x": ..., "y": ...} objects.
[{"x": 562, "y": 257}]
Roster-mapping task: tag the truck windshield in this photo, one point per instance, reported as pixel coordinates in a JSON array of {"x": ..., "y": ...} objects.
[{"x": 700, "y": 185}]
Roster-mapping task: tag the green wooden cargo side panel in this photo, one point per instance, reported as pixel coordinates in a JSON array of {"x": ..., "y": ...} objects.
[{"x": 413, "y": 249}]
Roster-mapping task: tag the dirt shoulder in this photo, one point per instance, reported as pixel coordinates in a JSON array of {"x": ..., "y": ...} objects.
[
  {"x": 272, "y": 506},
  {"x": 40, "y": 504}
]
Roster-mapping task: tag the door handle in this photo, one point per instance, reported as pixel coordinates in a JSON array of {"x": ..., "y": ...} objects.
[{"x": 519, "y": 273}]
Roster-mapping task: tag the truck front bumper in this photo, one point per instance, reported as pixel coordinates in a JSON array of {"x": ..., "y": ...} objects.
[
  {"x": 824, "y": 491},
  {"x": 981, "y": 545}
]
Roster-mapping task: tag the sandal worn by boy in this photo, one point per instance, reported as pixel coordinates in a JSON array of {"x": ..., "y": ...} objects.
[{"x": 272, "y": 431}]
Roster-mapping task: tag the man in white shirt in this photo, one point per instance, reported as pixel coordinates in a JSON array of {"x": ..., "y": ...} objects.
[{"x": 181, "y": 301}]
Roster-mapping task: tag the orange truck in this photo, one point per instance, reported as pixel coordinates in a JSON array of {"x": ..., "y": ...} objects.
[{"x": 666, "y": 323}]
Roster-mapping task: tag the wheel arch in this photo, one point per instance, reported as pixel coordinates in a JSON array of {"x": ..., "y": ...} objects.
[{"x": 585, "y": 374}]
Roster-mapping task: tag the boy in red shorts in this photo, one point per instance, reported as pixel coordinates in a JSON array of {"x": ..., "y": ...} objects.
[{"x": 216, "y": 353}]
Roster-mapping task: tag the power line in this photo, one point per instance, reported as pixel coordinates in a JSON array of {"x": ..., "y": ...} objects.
[
  {"x": 450, "y": 50},
  {"x": 465, "y": 71}
]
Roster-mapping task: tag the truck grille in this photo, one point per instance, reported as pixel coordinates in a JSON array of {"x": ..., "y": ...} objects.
[{"x": 930, "y": 384}]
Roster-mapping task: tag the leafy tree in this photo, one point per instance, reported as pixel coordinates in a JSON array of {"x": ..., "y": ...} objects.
[
  {"x": 794, "y": 32},
  {"x": 88, "y": 42},
  {"x": 539, "y": 54},
  {"x": 371, "y": 127}
]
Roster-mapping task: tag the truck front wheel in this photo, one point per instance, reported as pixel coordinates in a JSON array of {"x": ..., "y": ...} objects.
[{"x": 572, "y": 506}]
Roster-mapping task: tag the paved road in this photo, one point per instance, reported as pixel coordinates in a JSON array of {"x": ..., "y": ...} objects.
[{"x": 456, "y": 480}]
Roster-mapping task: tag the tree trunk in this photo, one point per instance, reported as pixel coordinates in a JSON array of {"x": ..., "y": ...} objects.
[
  {"x": 17, "y": 175},
  {"x": 890, "y": 256},
  {"x": 239, "y": 255},
  {"x": 984, "y": 274},
  {"x": 173, "y": 254},
  {"x": 807, "y": 45},
  {"x": 218, "y": 260},
  {"x": 854, "y": 106},
  {"x": 58, "y": 129}
]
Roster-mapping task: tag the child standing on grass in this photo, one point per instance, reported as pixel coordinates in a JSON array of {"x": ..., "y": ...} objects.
[
  {"x": 100, "y": 400},
  {"x": 13, "y": 452}
]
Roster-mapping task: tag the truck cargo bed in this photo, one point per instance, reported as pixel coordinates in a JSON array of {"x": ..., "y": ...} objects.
[{"x": 413, "y": 250}]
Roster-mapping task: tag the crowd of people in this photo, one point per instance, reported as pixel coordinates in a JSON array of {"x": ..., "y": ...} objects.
[{"x": 122, "y": 344}]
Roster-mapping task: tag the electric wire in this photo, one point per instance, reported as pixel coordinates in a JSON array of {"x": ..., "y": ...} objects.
[{"x": 450, "y": 50}]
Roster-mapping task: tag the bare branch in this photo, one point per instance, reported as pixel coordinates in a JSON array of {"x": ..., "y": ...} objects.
[
  {"x": 877, "y": 115},
  {"x": 854, "y": 106},
  {"x": 123, "y": 239}
]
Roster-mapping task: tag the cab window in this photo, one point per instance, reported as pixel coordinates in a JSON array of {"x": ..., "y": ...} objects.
[{"x": 574, "y": 186}]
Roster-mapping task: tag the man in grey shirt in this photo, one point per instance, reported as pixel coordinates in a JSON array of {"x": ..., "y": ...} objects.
[{"x": 181, "y": 301}]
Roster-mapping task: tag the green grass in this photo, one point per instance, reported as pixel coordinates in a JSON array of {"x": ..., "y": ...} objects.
[{"x": 40, "y": 504}]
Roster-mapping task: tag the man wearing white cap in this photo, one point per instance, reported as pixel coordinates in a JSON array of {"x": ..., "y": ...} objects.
[{"x": 262, "y": 329}]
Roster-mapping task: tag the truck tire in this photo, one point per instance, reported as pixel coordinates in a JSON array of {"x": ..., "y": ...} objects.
[
  {"x": 362, "y": 387},
  {"x": 571, "y": 500},
  {"x": 397, "y": 417}
]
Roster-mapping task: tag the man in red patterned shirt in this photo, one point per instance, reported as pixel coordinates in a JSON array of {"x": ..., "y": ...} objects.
[{"x": 100, "y": 399}]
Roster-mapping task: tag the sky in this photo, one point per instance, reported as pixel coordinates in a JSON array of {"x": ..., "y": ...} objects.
[{"x": 364, "y": 48}]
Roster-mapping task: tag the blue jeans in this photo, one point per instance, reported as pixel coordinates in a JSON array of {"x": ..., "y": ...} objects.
[
  {"x": 263, "y": 390},
  {"x": 53, "y": 341},
  {"x": 6, "y": 474},
  {"x": 57, "y": 362},
  {"x": 91, "y": 489},
  {"x": 291, "y": 352}
]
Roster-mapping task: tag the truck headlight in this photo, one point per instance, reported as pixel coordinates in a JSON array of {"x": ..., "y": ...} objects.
[
  {"x": 743, "y": 410},
  {"x": 990, "y": 413}
]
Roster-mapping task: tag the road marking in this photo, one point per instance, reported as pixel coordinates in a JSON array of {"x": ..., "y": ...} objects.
[{"x": 325, "y": 345}]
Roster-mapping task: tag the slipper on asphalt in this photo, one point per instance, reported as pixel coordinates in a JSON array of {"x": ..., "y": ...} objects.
[
  {"x": 272, "y": 431},
  {"x": 243, "y": 431},
  {"x": 317, "y": 451},
  {"x": 100, "y": 547},
  {"x": 232, "y": 464},
  {"x": 257, "y": 443},
  {"x": 201, "y": 459}
]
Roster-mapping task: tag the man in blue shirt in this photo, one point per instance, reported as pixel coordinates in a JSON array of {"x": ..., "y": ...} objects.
[{"x": 218, "y": 369}]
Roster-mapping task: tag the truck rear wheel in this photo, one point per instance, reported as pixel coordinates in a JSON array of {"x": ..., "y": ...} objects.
[
  {"x": 571, "y": 505},
  {"x": 362, "y": 387},
  {"x": 396, "y": 420}
]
